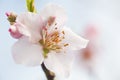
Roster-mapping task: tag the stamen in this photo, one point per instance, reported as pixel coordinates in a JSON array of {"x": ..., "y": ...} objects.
[
  {"x": 53, "y": 40},
  {"x": 66, "y": 45},
  {"x": 55, "y": 24},
  {"x": 55, "y": 27},
  {"x": 44, "y": 33},
  {"x": 51, "y": 20},
  {"x": 63, "y": 32}
]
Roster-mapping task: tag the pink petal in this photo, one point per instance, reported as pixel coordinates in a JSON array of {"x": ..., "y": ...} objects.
[
  {"x": 14, "y": 32},
  {"x": 74, "y": 41},
  {"x": 59, "y": 63},
  {"x": 52, "y": 10},
  {"x": 30, "y": 24},
  {"x": 27, "y": 53}
]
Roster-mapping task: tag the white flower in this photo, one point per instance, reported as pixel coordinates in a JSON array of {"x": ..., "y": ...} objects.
[{"x": 46, "y": 39}]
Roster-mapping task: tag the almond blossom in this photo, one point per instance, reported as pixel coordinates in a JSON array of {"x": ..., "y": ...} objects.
[
  {"x": 43, "y": 37},
  {"x": 90, "y": 54}
]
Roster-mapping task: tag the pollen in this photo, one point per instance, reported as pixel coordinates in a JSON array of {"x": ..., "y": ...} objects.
[
  {"x": 54, "y": 40},
  {"x": 63, "y": 32},
  {"x": 56, "y": 28},
  {"x": 66, "y": 45}
]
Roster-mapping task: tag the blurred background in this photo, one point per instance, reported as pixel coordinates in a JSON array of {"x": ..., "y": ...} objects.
[{"x": 96, "y": 20}]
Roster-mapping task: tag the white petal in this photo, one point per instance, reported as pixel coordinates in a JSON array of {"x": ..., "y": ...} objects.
[
  {"x": 74, "y": 41},
  {"x": 29, "y": 24},
  {"x": 27, "y": 53},
  {"x": 60, "y": 78},
  {"x": 55, "y": 11},
  {"x": 59, "y": 63}
]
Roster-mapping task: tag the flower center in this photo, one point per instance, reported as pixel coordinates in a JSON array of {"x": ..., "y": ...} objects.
[{"x": 53, "y": 40}]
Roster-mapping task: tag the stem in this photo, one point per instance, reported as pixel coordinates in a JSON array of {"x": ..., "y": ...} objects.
[
  {"x": 30, "y": 6},
  {"x": 49, "y": 74}
]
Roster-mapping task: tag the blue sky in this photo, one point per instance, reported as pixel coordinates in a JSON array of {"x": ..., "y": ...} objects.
[{"x": 104, "y": 13}]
